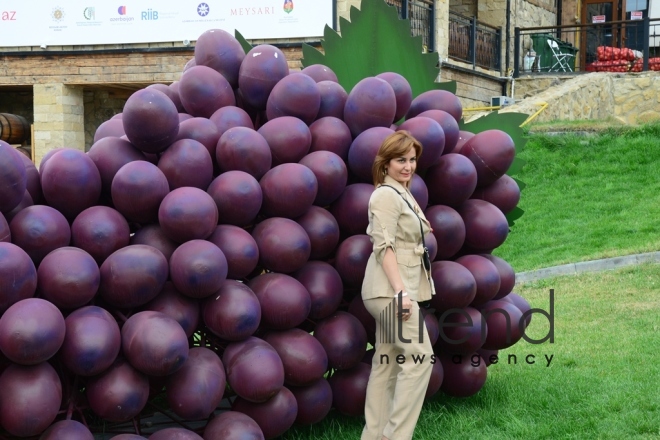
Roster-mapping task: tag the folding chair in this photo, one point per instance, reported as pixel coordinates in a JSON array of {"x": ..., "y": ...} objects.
[{"x": 561, "y": 59}]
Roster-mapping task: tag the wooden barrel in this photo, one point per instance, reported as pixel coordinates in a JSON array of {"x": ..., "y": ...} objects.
[{"x": 14, "y": 129}]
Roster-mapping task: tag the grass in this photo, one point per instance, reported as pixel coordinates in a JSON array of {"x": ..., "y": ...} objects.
[
  {"x": 587, "y": 125},
  {"x": 602, "y": 382},
  {"x": 587, "y": 198}
]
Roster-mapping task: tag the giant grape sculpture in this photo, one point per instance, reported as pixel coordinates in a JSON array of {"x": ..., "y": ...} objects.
[{"x": 222, "y": 254}]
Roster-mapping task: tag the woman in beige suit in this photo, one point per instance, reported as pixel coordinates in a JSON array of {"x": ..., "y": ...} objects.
[{"x": 395, "y": 280}]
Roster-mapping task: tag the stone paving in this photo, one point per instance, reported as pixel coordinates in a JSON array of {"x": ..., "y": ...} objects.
[{"x": 588, "y": 266}]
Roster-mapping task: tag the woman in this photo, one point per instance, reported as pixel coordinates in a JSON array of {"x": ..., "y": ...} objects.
[{"x": 395, "y": 280}]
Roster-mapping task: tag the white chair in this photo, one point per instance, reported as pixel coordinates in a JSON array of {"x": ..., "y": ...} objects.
[{"x": 561, "y": 60}]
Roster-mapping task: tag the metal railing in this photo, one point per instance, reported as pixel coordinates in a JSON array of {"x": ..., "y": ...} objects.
[
  {"x": 474, "y": 42},
  {"x": 615, "y": 46},
  {"x": 422, "y": 19}
]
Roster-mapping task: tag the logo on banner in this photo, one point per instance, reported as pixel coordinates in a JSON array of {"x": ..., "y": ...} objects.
[
  {"x": 149, "y": 14},
  {"x": 90, "y": 17},
  {"x": 57, "y": 14},
  {"x": 89, "y": 13},
  {"x": 288, "y": 6},
  {"x": 8, "y": 15},
  {"x": 203, "y": 9},
  {"x": 122, "y": 11},
  {"x": 268, "y": 10}
]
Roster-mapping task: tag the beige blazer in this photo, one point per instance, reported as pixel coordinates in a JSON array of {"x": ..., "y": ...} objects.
[{"x": 393, "y": 224}]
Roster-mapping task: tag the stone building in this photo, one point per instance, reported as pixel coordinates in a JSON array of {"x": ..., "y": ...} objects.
[{"x": 67, "y": 91}]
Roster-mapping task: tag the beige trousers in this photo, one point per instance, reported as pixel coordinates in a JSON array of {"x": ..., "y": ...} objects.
[{"x": 400, "y": 372}]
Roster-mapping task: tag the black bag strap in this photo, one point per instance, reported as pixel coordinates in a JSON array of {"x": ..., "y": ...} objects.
[
  {"x": 426, "y": 304},
  {"x": 421, "y": 228}
]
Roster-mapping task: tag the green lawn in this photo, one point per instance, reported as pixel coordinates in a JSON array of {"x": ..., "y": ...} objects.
[
  {"x": 603, "y": 381},
  {"x": 587, "y": 198}
]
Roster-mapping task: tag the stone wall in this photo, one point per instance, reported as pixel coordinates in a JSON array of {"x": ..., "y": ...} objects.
[
  {"x": 631, "y": 98},
  {"x": 442, "y": 8},
  {"x": 493, "y": 12},
  {"x": 343, "y": 10},
  {"x": 531, "y": 85},
  {"x": 473, "y": 90},
  {"x": 569, "y": 16},
  {"x": 294, "y": 57},
  {"x": 58, "y": 118},
  {"x": 93, "y": 68},
  {"x": 531, "y": 13},
  {"x": 85, "y": 48},
  {"x": 101, "y": 105},
  {"x": 467, "y": 8}
]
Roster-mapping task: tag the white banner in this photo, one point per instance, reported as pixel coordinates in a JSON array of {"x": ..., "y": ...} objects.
[{"x": 89, "y": 22}]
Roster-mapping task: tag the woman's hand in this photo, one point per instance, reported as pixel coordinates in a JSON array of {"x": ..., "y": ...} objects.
[{"x": 404, "y": 311}]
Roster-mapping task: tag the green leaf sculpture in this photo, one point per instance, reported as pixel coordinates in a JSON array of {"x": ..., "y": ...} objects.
[
  {"x": 376, "y": 40},
  {"x": 244, "y": 43}
]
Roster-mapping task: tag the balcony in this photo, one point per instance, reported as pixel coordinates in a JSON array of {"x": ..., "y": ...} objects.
[
  {"x": 422, "y": 19},
  {"x": 616, "y": 46},
  {"x": 474, "y": 42}
]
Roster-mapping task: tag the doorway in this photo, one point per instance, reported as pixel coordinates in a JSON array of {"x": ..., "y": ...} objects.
[{"x": 594, "y": 12}]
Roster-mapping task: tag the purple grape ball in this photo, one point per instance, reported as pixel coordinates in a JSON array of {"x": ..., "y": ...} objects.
[
  {"x": 154, "y": 343},
  {"x": 263, "y": 67},
  {"x": 233, "y": 313},
  {"x": 18, "y": 276},
  {"x": 151, "y": 120},
  {"x": 30, "y": 399},
  {"x": 68, "y": 277},
  {"x": 31, "y": 331},
  {"x": 92, "y": 341},
  {"x": 237, "y": 196},
  {"x": 240, "y": 249}
]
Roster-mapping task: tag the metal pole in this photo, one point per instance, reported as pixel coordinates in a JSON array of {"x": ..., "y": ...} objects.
[
  {"x": 334, "y": 15},
  {"x": 646, "y": 37},
  {"x": 498, "y": 55},
  {"x": 432, "y": 29},
  {"x": 404, "y": 9},
  {"x": 507, "y": 37},
  {"x": 516, "y": 52},
  {"x": 473, "y": 43}
]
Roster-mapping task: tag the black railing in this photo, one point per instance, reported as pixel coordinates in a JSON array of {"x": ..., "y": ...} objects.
[
  {"x": 474, "y": 42},
  {"x": 422, "y": 19},
  {"x": 616, "y": 46}
]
